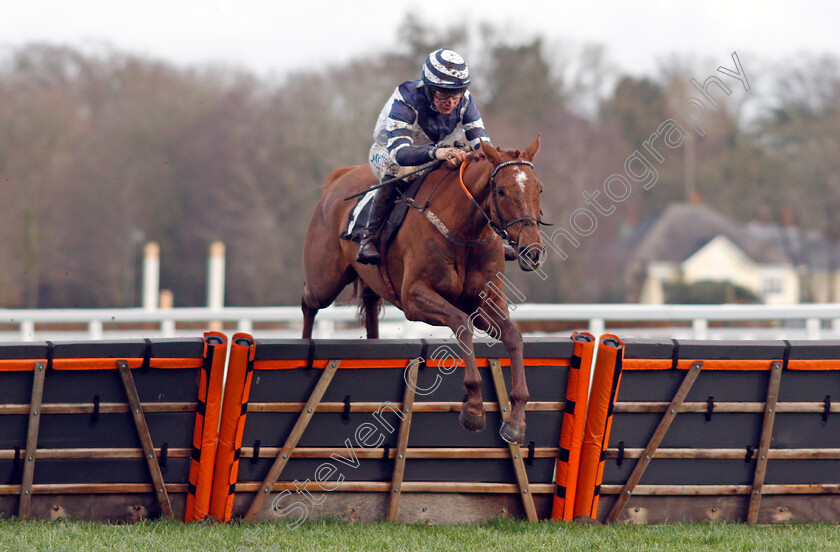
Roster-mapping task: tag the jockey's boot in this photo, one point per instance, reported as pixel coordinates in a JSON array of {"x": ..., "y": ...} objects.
[{"x": 379, "y": 211}]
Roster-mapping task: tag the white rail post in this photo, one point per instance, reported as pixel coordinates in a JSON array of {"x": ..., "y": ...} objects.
[
  {"x": 245, "y": 326},
  {"x": 597, "y": 327},
  {"x": 167, "y": 300},
  {"x": 151, "y": 276},
  {"x": 700, "y": 326},
  {"x": 95, "y": 329},
  {"x": 812, "y": 328},
  {"x": 27, "y": 330},
  {"x": 216, "y": 281}
]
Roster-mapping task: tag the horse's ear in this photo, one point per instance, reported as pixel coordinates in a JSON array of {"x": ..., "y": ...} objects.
[
  {"x": 531, "y": 150},
  {"x": 492, "y": 153}
]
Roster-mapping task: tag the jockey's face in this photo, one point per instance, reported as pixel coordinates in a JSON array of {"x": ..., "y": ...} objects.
[{"x": 446, "y": 102}]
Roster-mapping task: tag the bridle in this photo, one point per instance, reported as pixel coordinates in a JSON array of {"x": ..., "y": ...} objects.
[{"x": 501, "y": 230}]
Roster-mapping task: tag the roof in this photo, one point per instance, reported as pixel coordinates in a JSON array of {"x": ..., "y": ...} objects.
[
  {"x": 800, "y": 246},
  {"x": 683, "y": 228}
]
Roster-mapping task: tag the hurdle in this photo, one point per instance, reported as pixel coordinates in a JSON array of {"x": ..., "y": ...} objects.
[{"x": 99, "y": 430}]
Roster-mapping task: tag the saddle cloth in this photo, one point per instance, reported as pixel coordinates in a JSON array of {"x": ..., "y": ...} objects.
[{"x": 359, "y": 215}]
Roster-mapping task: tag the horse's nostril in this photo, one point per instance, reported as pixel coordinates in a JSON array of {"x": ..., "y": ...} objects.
[{"x": 530, "y": 257}]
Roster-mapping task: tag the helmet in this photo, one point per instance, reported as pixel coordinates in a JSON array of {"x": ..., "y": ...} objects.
[{"x": 446, "y": 69}]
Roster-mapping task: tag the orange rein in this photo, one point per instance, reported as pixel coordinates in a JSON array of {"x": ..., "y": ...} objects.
[
  {"x": 472, "y": 199},
  {"x": 461, "y": 178}
]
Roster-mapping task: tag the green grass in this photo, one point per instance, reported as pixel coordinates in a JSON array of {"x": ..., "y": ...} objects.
[{"x": 511, "y": 536}]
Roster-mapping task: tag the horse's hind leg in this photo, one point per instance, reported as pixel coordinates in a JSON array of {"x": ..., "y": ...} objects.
[
  {"x": 327, "y": 291},
  {"x": 325, "y": 272},
  {"x": 371, "y": 302},
  {"x": 308, "y": 319}
]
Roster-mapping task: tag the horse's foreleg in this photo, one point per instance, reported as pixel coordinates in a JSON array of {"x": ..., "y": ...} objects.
[
  {"x": 513, "y": 429},
  {"x": 501, "y": 328},
  {"x": 426, "y": 305}
]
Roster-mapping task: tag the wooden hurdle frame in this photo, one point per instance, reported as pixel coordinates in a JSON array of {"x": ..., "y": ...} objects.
[
  {"x": 105, "y": 501},
  {"x": 754, "y": 493},
  {"x": 397, "y": 486},
  {"x": 737, "y": 502}
]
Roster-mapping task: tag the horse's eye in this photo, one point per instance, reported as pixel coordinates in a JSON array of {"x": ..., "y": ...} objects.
[{"x": 500, "y": 192}]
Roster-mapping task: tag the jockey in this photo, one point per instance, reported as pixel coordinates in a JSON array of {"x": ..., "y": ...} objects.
[{"x": 420, "y": 124}]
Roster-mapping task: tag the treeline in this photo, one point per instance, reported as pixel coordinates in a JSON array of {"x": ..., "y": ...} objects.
[{"x": 102, "y": 152}]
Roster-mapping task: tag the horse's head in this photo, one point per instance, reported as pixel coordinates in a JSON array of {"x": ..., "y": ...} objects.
[{"x": 514, "y": 200}]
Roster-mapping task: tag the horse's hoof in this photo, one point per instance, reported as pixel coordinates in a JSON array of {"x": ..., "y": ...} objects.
[
  {"x": 472, "y": 422},
  {"x": 515, "y": 435}
]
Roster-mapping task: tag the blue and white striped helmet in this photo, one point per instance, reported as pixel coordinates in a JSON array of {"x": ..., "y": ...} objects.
[{"x": 446, "y": 69}]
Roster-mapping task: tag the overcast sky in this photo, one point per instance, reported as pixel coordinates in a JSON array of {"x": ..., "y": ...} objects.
[{"x": 271, "y": 37}]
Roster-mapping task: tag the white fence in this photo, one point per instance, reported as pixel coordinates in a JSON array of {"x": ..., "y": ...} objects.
[{"x": 806, "y": 321}]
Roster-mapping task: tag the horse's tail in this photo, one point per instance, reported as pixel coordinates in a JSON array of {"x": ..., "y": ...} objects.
[
  {"x": 363, "y": 295},
  {"x": 356, "y": 297}
]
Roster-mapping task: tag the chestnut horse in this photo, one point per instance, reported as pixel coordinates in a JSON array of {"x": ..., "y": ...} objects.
[{"x": 445, "y": 263}]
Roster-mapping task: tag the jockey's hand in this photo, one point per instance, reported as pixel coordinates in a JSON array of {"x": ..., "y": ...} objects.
[{"x": 452, "y": 156}]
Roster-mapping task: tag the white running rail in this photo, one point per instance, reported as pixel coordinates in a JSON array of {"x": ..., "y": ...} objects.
[{"x": 803, "y": 321}]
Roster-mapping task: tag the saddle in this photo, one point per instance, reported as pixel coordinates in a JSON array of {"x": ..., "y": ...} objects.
[{"x": 359, "y": 215}]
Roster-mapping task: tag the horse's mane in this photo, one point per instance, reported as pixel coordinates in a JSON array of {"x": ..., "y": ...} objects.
[{"x": 335, "y": 175}]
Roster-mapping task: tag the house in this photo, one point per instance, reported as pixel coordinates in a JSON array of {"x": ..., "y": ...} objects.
[{"x": 690, "y": 243}]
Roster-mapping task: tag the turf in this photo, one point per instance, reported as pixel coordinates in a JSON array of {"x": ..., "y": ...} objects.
[{"x": 505, "y": 535}]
